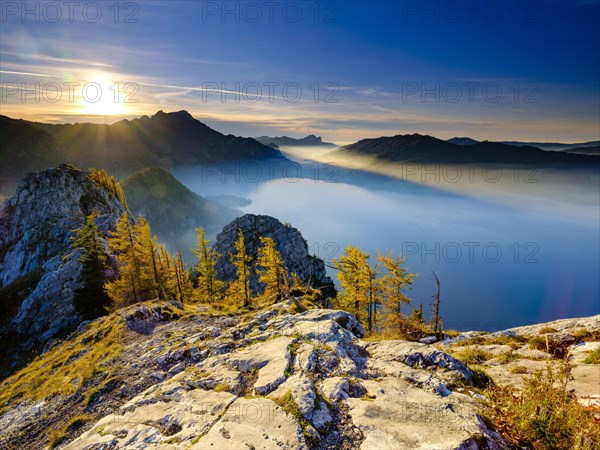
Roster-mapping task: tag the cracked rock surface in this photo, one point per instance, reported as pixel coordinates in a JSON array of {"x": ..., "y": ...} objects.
[{"x": 268, "y": 380}]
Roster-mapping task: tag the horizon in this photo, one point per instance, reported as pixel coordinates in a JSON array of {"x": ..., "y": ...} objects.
[
  {"x": 344, "y": 71},
  {"x": 130, "y": 118}
]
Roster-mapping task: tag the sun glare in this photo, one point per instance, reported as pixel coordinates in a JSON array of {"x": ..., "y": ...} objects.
[{"x": 102, "y": 97}]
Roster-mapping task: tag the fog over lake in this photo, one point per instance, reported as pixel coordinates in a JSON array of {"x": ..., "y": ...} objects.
[{"x": 506, "y": 252}]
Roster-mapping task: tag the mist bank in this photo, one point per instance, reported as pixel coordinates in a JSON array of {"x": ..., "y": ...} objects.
[{"x": 509, "y": 251}]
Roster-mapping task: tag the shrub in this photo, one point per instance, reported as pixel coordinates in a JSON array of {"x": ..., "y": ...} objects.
[
  {"x": 519, "y": 370},
  {"x": 545, "y": 415},
  {"x": 481, "y": 379},
  {"x": 593, "y": 357},
  {"x": 452, "y": 333},
  {"x": 472, "y": 355},
  {"x": 506, "y": 357},
  {"x": 538, "y": 343}
]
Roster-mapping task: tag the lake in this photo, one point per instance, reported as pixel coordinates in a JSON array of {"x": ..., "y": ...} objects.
[{"x": 507, "y": 251}]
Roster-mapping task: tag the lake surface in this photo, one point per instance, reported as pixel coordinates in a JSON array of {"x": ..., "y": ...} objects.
[{"x": 506, "y": 253}]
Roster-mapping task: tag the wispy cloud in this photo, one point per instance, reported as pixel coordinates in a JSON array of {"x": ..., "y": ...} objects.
[{"x": 28, "y": 74}]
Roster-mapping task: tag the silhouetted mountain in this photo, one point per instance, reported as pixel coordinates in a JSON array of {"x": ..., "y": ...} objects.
[
  {"x": 165, "y": 139},
  {"x": 463, "y": 141},
  {"x": 416, "y": 148},
  {"x": 594, "y": 150},
  {"x": 25, "y": 148},
  {"x": 584, "y": 148},
  {"x": 554, "y": 146},
  {"x": 310, "y": 140},
  {"x": 172, "y": 210}
]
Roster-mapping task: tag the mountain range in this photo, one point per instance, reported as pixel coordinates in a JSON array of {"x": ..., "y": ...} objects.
[
  {"x": 587, "y": 148},
  {"x": 417, "y": 148},
  {"x": 164, "y": 139},
  {"x": 308, "y": 141},
  {"x": 177, "y": 139}
]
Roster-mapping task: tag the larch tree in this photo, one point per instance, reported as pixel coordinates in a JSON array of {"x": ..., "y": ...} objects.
[
  {"x": 208, "y": 288},
  {"x": 184, "y": 285},
  {"x": 124, "y": 290},
  {"x": 394, "y": 283},
  {"x": 91, "y": 300},
  {"x": 272, "y": 273},
  {"x": 360, "y": 286},
  {"x": 151, "y": 281},
  {"x": 239, "y": 289}
]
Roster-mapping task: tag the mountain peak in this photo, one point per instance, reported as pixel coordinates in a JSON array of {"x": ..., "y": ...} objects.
[{"x": 183, "y": 114}]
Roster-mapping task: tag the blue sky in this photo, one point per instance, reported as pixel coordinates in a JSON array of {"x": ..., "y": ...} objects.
[{"x": 501, "y": 70}]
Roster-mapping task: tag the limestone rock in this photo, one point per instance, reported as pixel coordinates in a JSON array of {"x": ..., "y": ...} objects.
[
  {"x": 35, "y": 250},
  {"x": 291, "y": 381},
  {"x": 288, "y": 241}
]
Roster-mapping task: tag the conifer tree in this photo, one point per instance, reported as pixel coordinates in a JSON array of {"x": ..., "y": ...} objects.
[
  {"x": 101, "y": 178},
  {"x": 394, "y": 283},
  {"x": 151, "y": 281},
  {"x": 208, "y": 287},
  {"x": 416, "y": 322},
  {"x": 271, "y": 271},
  {"x": 360, "y": 286},
  {"x": 91, "y": 300},
  {"x": 124, "y": 290},
  {"x": 239, "y": 289},
  {"x": 146, "y": 269},
  {"x": 184, "y": 286}
]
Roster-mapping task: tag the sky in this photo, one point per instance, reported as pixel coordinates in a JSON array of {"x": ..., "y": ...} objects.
[{"x": 348, "y": 70}]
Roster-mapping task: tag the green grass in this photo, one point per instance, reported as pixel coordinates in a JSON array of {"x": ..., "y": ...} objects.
[
  {"x": 222, "y": 387},
  {"x": 472, "y": 355},
  {"x": 500, "y": 339},
  {"x": 583, "y": 334},
  {"x": 289, "y": 405},
  {"x": 481, "y": 379},
  {"x": 546, "y": 330},
  {"x": 506, "y": 357},
  {"x": 593, "y": 357},
  {"x": 452, "y": 333},
  {"x": 543, "y": 415},
  {"x": 538, "y": 343},
  {"x": 59, "y": 436},
  {"x": 66, "y": 367},
  {"x": 519, "y": 370}
]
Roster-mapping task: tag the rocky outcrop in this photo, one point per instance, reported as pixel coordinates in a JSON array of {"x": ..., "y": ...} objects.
[
  {"x": 39, "y": 272},
  {"x": 289, "y": 242},
  {"x": 271, "y": 380},
  {"x": 509, "y": 356}
]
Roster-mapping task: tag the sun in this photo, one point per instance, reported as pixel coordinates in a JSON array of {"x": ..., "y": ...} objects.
[{"x": 99, "y": 96}]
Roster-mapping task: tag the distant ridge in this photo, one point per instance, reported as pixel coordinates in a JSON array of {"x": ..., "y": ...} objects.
[
  {"x": 310, "y": 140},
  {"x": 417, "y": 148},
  {"x": 554, "y": 146},
  {"x": 551, "y": 146}
]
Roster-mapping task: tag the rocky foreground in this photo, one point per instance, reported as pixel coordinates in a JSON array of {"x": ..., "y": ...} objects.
[{"x": 276, "y": 379}]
